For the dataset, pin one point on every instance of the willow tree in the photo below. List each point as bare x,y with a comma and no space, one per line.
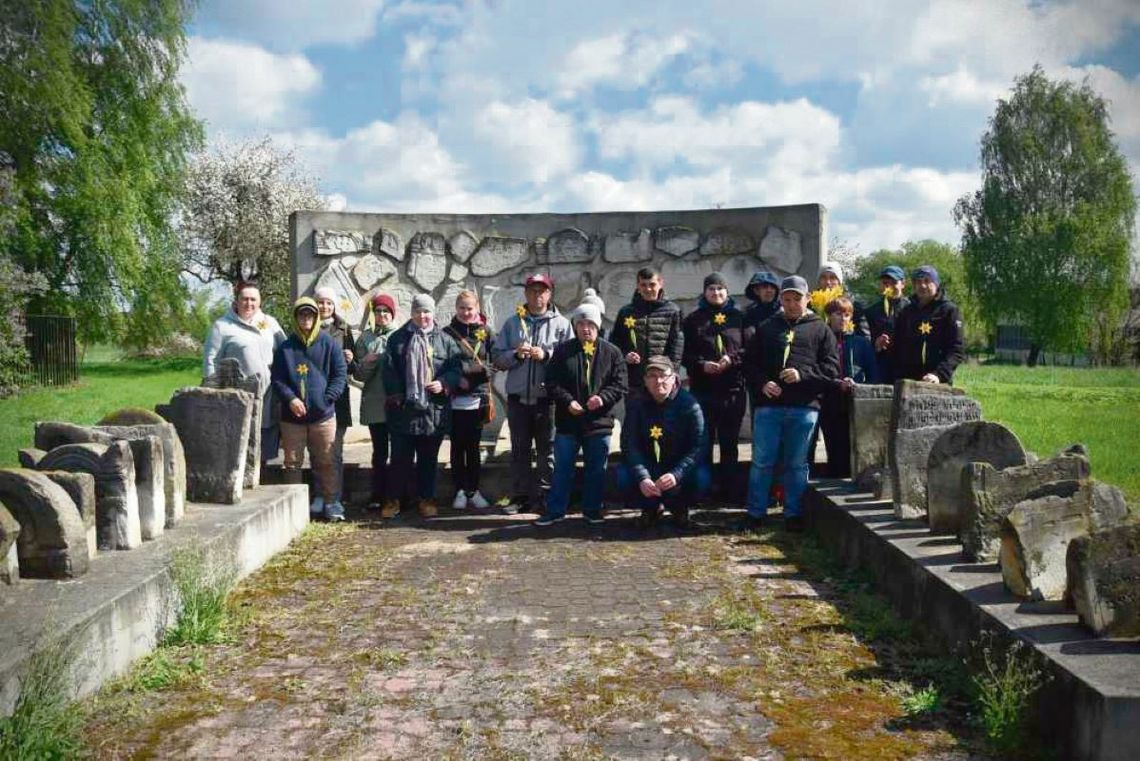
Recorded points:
96,132
1048,237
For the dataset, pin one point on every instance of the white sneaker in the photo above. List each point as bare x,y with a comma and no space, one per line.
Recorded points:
460,502
317,507
478,501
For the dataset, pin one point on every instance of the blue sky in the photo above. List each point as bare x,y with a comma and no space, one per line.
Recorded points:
873,109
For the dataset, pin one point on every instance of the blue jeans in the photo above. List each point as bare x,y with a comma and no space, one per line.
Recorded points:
776,428
595,449
692,489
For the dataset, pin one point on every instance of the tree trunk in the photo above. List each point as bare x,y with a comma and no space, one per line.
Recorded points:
1034,354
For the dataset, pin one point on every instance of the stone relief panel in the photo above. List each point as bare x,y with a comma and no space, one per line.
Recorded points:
462,245
567,247
616,288
782,249
497,254
677,240
370,270
337,242
726,241
349,303
457,273
389,243
427,264
629,247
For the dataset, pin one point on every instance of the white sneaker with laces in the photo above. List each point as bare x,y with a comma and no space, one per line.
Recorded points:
460,502
478,501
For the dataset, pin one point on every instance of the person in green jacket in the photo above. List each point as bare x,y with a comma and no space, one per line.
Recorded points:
369,371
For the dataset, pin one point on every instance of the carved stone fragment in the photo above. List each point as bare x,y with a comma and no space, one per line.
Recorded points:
497,254
427,264
618,285
214,427
9,559
349,305
624,247
782,250
676,240
1103,576
81,488
457,273
51,542
30,457
389,243
117,523
230,375
462,245
567,246
725,241
738,270
870,430
975,441
337,242
372,269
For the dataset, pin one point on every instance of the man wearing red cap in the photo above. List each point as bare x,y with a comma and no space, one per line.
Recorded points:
523,348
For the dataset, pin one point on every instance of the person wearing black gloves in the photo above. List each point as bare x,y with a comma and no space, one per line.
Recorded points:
928,344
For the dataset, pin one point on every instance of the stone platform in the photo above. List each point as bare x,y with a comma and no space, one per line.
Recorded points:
113,615
1090,708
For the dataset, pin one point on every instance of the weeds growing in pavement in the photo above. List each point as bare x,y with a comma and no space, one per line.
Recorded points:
203,585
926,701
1006,683
164,668
44,724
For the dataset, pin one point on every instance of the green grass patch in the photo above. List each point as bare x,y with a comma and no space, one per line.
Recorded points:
203,586
104,386
44,724
1006,683
165,668
1051,407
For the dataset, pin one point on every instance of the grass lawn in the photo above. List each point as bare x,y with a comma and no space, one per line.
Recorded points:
106,384
1050,407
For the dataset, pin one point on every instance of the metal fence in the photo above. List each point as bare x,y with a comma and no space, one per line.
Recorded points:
50,341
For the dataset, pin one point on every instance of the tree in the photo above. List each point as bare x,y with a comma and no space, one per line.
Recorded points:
863,281
96,131
1048,236
235,221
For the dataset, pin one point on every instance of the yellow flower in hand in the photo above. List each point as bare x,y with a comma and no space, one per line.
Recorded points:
720,319
520,310
630,322
820,298
925,328
655,432
589,348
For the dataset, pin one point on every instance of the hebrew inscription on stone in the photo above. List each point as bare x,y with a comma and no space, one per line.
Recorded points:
567,247
496,254
677,240
726,241
428,263
925,411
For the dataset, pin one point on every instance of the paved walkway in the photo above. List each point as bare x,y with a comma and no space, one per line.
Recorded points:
483,637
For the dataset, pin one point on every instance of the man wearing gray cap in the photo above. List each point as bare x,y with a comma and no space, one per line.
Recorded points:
790,362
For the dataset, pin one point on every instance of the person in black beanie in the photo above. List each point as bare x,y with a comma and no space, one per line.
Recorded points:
714,348
928,343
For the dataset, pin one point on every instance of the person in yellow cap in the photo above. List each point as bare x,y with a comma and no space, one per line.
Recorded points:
309,374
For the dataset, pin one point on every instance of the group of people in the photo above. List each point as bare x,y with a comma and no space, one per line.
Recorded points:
793,356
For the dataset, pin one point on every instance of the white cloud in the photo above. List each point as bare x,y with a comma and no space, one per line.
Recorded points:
417,48
706,74
295,24
961,87
237,86
623,61
532,141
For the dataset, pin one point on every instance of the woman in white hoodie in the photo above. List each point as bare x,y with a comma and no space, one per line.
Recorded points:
248,335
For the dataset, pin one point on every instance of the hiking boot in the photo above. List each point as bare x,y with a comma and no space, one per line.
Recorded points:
428,508
390,509
460,501
334,512
477,501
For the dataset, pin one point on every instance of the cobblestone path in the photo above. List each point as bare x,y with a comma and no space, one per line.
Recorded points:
483,637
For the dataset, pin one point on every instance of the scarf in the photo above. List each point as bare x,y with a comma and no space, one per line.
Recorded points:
418,370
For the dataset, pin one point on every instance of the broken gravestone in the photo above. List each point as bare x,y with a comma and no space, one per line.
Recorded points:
1103,572
920,413
9,560
51,543
1036,535
975,441
214,427
991,493
870,430
230,375
117,525
81,488
30,457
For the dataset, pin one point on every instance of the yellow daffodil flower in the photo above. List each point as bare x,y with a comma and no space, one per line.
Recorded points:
925,328
720,318
820,298
656,432
589,348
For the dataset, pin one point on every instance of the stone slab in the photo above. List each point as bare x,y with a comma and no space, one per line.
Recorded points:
213,425
52,541
870,427
975,441
117,522
81,488
1091,707
1104,580
230,375
114,614
9,560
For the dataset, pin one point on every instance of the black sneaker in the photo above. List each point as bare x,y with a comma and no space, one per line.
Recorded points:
750,523
648,517
794,524
547,520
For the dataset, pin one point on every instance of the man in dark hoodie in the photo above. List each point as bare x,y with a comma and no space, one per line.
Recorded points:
647,326
881,317
309,374
790,362
714,349
928,343
585,378
764,293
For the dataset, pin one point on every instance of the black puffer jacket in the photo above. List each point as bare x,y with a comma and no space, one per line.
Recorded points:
566,382
657,328
701,330
341,335
475,368
813,352
682,441
938,326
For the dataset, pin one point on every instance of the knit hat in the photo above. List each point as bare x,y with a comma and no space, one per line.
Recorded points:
587,312
794,283
384,300
590,296
833,268
928,272
714,278
324,292
894,272
423,302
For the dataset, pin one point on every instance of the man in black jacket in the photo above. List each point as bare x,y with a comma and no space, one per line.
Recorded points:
647,326
764,293
928,343
662,445
714,348
790,362
586,377
881,317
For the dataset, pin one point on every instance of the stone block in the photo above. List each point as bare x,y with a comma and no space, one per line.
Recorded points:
569,246
965,443
213,425
626,247
1103,577
991,493
682,277
9,559
497,254
149,484
499,303
52,543
371,270
30,457
349,304
427,262
462,246
458,273
117,524
782,250
230,375
81,488
725,241
676,240
1036,535
920,413
737,271
389,243
870,416
337,242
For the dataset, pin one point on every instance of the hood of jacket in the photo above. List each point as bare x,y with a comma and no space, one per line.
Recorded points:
761,278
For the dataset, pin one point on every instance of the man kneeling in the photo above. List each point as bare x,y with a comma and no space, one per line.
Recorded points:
662,440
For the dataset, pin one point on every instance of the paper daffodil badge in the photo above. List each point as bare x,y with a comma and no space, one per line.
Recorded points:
262,324
480,336
925,328
655,433
720,318
589,348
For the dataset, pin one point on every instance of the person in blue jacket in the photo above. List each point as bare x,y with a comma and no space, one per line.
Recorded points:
309,374
857,364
